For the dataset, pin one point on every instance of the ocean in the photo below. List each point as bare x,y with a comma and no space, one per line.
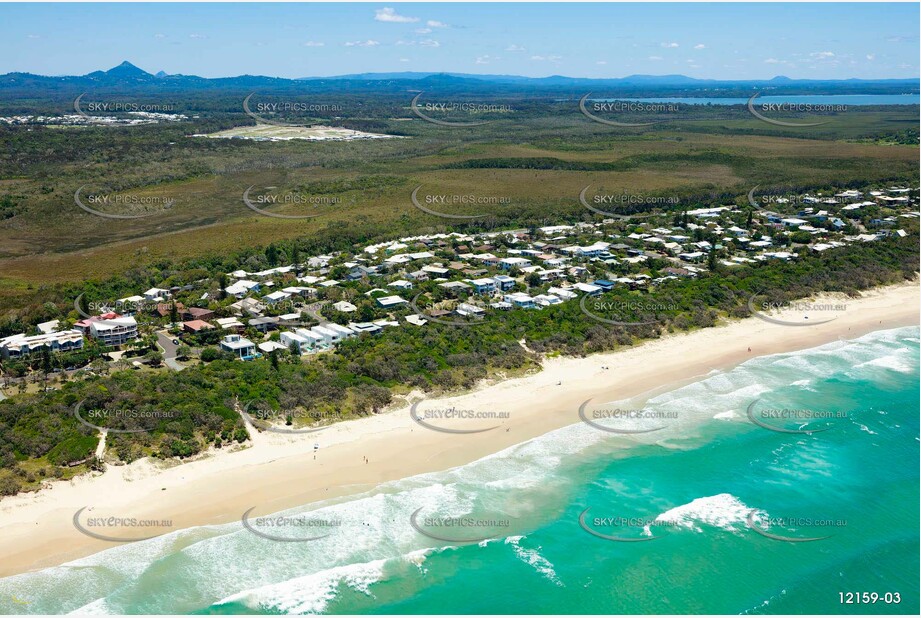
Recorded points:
799,512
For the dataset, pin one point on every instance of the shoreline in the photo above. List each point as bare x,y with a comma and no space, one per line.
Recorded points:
279,471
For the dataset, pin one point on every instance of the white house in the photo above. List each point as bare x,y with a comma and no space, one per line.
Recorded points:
545,300
345,306
343,331
390,301
157,294
486,285
587,288
301,343
562,293
513,262
465,309
242,288
274,297
314,340
328,337
520,299
241,347
17,346
115,331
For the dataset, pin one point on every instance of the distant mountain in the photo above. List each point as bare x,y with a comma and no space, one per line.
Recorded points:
127,78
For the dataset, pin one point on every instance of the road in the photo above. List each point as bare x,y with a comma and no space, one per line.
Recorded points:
165,341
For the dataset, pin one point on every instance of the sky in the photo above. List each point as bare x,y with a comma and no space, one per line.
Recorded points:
717,41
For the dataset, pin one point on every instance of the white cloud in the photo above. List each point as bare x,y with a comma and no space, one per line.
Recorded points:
33,36
482,60
432,23
368,43
391,16
198,36
871,56
404,59
670,45
772,61
159,36
314,44
822,55
602,62
429,43
655,57
700,46
423,30
547,58
514,48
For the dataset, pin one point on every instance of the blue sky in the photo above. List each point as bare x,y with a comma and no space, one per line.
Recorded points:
724,41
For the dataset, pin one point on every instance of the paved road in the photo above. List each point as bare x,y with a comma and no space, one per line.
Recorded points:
165,341
313,310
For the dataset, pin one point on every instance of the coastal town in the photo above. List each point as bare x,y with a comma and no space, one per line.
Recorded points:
318,303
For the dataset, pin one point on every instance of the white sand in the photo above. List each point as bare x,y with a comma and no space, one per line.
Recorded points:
281,471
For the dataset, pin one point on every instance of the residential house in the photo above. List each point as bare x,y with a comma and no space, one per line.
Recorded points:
17,346
196,326
390,301
241,347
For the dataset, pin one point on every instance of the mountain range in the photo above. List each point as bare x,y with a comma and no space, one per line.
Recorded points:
127,77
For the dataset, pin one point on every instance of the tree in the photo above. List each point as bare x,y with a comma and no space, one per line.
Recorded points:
47,363
295,257
711,259
533,280
154,357
271,254
222,283
183,351
273,358
173,313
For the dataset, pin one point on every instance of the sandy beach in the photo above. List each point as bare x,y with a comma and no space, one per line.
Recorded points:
279,471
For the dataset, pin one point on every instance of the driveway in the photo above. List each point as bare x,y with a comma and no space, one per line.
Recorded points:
165,341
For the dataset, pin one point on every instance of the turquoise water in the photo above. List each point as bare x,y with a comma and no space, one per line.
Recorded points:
813,99
698,479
